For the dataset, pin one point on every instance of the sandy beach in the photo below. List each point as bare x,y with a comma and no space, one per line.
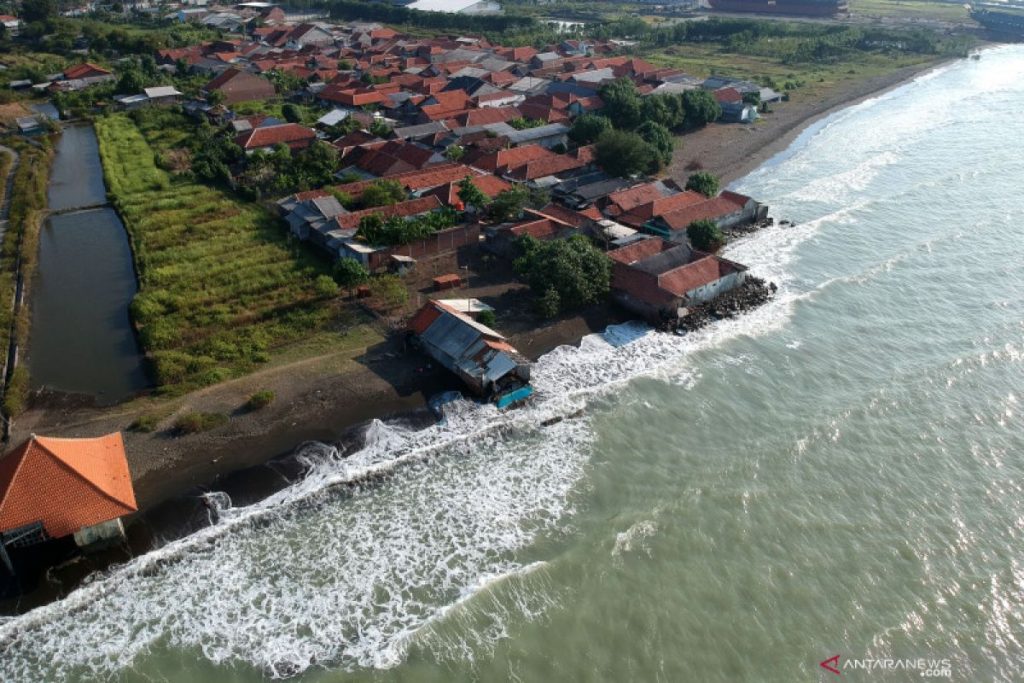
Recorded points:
327,397
731,151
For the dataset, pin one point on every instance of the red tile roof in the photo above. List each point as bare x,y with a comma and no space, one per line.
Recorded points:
85,70
716,207
411,207
686,278
508,158
67,484
540,168
291,134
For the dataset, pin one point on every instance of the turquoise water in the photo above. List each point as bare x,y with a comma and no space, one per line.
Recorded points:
837,473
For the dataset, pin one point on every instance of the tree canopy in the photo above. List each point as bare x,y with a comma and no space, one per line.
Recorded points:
563,274
624,153
658,137
587,128
705,235
471,195
703,182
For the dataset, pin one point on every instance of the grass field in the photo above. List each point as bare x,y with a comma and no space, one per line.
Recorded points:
812,80
910,9
220,288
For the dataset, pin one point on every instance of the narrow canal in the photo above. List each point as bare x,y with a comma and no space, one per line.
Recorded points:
82,340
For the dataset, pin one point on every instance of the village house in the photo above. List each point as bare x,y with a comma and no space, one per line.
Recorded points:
658,279
266,138
53,488
240,86
481,357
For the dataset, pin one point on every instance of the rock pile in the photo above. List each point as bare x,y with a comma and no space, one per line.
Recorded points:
751,294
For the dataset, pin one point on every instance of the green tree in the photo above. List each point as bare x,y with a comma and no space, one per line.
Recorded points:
624,154
588,127
508,204
291,113
350,273
701,108
382,193
705,235
658,137
379,128
38,10
471,195
564,274
455,152
622,103
390,291
703,182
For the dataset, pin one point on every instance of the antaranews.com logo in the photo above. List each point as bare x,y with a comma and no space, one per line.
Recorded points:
926,668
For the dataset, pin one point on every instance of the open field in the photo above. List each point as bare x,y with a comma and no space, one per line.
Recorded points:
220,288
910,9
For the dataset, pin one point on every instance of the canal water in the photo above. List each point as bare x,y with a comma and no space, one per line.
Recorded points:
82,340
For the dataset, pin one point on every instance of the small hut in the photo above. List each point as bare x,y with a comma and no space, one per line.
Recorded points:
52,488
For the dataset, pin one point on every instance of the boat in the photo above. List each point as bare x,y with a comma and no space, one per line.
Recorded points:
1005,22
806,8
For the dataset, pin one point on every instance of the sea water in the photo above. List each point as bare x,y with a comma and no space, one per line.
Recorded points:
837,473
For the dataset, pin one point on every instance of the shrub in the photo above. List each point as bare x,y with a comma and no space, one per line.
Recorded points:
146,423
703,182
349,273
261,399
705,235
193,423
16,398
487,318
390,290
326,286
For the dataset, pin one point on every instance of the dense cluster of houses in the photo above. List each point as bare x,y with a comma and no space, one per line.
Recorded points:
427,113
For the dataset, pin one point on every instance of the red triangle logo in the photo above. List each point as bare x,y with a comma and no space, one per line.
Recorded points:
831,664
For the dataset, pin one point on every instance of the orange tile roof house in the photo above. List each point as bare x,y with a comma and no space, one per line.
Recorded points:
86,70
268,137
240,86
52,488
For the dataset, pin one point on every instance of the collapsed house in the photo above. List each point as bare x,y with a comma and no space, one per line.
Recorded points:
480,356
53,488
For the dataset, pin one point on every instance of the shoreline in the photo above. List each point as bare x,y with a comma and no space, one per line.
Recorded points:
717,149
382,382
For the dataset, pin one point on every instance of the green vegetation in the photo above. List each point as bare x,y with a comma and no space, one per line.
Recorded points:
219,286
587,128
703,182
563,274
350,273
145,423
193,423
487,318
471,195
624,153
382,193
705,235
522,123
394,230
390,291
20,249
260,400
659,138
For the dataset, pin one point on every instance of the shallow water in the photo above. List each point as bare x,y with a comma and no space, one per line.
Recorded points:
838,472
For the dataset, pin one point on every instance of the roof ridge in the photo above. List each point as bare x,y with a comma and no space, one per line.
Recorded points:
81,475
